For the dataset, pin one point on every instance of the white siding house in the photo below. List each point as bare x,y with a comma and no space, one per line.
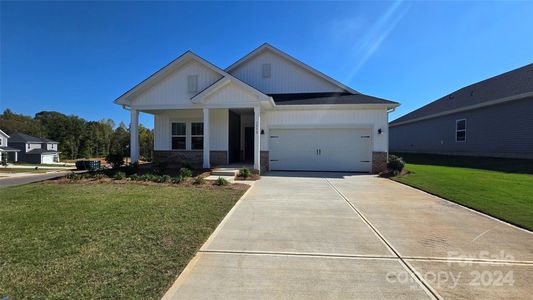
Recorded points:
267,108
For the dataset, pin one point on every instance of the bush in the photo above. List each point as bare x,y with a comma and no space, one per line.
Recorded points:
115,159
73,176
244,173
198,180
185,172
99,176
119,176
221,181
134,177
395,164
176,179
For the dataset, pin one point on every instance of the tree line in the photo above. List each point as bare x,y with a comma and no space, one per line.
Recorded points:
77,137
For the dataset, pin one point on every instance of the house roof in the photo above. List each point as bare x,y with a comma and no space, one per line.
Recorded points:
8,149
41,151
328,99
4,134
25,138
268,47
511,85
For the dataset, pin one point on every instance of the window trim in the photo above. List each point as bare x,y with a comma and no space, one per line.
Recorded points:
188,133
457,130
197,135
172,135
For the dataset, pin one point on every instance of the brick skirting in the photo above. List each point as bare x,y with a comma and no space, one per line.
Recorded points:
195,158
264,159
218,158
379,162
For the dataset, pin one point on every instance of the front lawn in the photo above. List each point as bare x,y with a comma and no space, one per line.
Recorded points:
111,241
502,194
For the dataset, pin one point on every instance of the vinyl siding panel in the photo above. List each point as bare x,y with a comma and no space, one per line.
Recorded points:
504,130
231,94
368,118
286,77
173,89
218,127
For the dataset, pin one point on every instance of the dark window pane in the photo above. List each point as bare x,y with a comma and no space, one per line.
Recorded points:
197,143
178,143
178,128
461,136
461,125
197,128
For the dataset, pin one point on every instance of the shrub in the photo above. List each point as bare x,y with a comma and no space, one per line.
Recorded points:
198,180
176,179
395,164
115,159
221,181
119,176
185,172
73,176
99,176
134,177
244,172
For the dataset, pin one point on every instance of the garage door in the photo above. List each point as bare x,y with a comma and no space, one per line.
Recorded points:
47,158
328,149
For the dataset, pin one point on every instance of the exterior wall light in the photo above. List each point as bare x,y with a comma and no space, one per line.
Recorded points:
380,131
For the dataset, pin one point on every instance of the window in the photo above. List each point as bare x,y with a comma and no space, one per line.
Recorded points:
192,83
197,136
267,68
179,136
460,130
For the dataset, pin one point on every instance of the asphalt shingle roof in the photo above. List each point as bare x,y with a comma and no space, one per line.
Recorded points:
515,82
40,151
22,137
327,98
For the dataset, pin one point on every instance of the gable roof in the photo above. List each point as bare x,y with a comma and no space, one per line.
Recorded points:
268,47
329,98
4,134
512,85
182,59
26,138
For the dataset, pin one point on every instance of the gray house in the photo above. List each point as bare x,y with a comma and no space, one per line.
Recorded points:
34,149
7,154
493,117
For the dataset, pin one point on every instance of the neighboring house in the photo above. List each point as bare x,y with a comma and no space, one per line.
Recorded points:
7,154
34,150
267,108
493,118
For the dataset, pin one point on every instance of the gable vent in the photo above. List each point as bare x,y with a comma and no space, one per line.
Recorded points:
267,70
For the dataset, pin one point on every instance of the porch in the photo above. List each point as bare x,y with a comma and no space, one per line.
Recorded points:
203,137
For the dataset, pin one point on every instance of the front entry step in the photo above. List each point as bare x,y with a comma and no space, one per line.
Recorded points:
224,172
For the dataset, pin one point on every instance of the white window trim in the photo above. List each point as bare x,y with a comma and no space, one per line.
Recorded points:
457,130
188,134
178,135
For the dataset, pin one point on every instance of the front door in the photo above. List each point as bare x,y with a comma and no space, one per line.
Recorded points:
249,144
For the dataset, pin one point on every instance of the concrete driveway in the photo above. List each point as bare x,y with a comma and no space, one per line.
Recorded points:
338,236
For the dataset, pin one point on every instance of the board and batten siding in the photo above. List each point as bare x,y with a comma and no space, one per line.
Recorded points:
173,89
286,77
231,94
218,127
352,118
503,130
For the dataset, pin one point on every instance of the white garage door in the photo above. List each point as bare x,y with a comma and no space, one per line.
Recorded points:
47,158
328,149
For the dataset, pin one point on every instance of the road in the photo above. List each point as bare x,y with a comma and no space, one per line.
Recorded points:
19,180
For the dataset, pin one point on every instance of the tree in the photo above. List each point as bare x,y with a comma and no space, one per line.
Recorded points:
11,123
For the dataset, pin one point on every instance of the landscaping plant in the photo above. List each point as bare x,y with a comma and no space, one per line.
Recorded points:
244,173
221,181
395,164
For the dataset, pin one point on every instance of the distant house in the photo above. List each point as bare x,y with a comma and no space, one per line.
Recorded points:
7,154
34,149
493,118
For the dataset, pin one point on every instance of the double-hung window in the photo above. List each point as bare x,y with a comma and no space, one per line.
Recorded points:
179,136
197,135
460,130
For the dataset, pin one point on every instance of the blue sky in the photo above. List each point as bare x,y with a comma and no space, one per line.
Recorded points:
77,57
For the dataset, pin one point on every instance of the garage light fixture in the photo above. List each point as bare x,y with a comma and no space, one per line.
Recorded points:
380,131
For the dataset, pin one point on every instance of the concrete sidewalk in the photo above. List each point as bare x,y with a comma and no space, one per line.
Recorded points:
334,236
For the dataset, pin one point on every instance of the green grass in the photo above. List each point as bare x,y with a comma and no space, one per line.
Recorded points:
502,194
109,241
17,170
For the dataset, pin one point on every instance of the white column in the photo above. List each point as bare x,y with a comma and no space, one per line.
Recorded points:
134,136
207,164
257,137
16,156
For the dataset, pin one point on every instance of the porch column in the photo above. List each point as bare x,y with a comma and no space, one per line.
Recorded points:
134,136
16,156
257,141
206,165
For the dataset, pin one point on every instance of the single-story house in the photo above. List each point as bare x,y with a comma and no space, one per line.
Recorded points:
7,154
492,118
33,149
267,108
